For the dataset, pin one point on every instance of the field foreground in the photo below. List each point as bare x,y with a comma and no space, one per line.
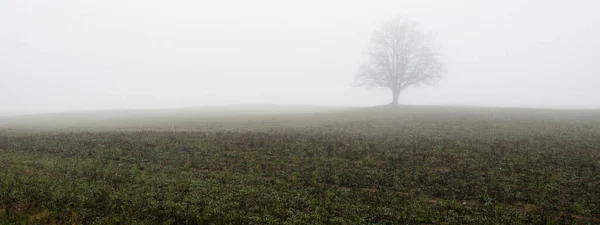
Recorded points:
405,165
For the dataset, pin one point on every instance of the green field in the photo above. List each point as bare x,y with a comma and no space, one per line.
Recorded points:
382,165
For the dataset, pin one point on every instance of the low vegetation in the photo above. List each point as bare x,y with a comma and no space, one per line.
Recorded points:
407,165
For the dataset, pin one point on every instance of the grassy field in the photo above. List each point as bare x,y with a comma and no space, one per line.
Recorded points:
382,165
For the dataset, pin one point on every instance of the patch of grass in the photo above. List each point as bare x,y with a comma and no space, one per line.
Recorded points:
378,167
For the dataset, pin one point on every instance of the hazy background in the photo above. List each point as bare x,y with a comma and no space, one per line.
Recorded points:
66,55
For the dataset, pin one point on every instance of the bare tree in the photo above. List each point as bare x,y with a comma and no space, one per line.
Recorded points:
400,56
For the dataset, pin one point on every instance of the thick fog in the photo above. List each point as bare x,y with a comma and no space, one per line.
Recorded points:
78,55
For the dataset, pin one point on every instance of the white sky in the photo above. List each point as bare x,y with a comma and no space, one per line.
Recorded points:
65,55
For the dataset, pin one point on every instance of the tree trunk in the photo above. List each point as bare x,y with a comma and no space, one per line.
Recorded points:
395,95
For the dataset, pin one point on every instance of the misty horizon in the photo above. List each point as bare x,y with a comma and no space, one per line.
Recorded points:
72,56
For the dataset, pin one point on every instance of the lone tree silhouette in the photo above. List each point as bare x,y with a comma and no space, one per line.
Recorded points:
400,56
